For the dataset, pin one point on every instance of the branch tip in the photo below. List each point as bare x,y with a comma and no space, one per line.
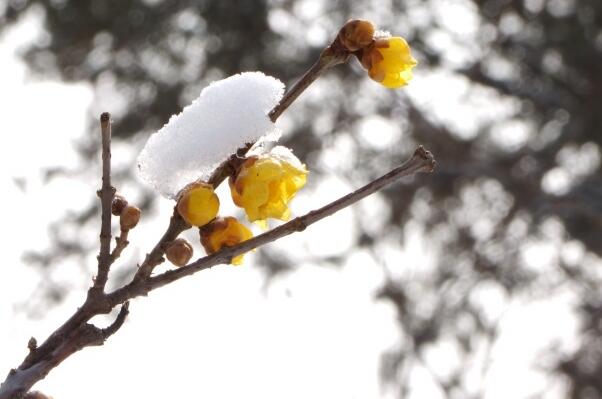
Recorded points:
32,344
427,156
106,195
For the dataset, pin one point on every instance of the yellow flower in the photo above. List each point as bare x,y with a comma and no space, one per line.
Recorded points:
198,204
265,184
224,232
389,62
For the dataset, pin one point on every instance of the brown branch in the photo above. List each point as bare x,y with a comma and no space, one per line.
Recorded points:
20,380
421,161
106,194
96,301
75,333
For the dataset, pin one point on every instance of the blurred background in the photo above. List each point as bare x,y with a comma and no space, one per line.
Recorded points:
480,280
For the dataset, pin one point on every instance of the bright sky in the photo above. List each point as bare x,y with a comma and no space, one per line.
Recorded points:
223,334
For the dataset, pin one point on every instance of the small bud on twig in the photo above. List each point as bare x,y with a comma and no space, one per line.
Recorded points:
130,216
32,344
179,252
356,34
118,204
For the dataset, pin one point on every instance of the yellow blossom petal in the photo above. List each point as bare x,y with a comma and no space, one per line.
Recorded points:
391,62
224,232
265,186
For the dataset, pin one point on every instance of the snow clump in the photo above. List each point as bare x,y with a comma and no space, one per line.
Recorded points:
226,115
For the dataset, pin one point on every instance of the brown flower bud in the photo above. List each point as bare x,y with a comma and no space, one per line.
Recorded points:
119,202
130,216
356,34
179,252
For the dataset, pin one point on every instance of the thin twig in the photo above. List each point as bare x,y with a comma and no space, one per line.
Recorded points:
106,194
332,55
421,161
119,320
155,257
121,243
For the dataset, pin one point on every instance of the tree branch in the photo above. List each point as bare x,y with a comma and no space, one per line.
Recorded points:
20,380
421,161
106,194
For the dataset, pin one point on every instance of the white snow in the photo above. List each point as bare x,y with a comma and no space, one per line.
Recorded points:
279,152
226,115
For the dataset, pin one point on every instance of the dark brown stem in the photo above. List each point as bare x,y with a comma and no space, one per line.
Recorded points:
106,194
421,161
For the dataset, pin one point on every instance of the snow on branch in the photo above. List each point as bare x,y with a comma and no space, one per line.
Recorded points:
226,114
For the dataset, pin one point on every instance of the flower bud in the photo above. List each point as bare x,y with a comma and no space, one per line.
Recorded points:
130,216
224,232
179,252
198,204
356,34
118,204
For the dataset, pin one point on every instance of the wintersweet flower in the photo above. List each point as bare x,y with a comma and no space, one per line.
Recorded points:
224,232
265,184
198,204
389,61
